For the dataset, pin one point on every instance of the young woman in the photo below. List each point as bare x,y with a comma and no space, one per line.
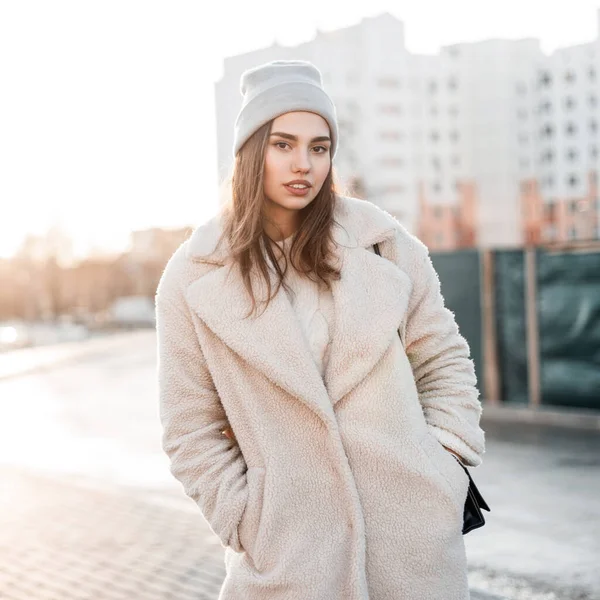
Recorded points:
315,397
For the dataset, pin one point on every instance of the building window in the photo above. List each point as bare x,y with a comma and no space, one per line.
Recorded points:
435,136
569,103
454,136
593,101
572,154
571,129
436,163
547,130
546,107
592,74
572,181
570,76
593,126
452,83
453,111
434,110
437,188
594,152
432,87
545,79
547,157
572,233
438,212
455,160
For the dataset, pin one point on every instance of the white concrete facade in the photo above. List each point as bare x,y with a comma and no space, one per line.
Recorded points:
473,113
566,150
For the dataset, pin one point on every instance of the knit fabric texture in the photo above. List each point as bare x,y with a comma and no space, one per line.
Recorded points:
313,306
278,87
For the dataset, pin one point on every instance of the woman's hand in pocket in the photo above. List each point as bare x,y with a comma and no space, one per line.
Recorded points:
228,433
452,452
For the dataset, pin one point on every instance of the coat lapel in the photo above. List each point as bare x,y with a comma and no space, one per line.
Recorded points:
370,301
270,342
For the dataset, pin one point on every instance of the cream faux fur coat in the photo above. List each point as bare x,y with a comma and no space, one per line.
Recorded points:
336,487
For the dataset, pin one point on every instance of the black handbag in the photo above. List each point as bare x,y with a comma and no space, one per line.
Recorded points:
472,516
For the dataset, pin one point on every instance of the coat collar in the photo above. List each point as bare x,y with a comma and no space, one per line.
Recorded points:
370,301
357,223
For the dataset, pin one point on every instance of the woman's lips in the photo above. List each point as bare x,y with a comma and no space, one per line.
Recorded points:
297,191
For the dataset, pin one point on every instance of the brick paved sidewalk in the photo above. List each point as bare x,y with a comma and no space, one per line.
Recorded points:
61,540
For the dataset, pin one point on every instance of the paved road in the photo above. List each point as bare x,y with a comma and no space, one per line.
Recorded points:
88,508
543,485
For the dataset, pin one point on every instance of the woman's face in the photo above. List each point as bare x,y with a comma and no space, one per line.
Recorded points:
298,150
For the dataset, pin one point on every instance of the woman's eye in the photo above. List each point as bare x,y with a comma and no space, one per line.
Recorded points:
319,149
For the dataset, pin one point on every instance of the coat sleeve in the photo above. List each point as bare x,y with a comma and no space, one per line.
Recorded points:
209,466
440,359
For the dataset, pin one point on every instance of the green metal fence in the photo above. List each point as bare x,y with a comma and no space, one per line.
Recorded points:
460,279
568,304
565,295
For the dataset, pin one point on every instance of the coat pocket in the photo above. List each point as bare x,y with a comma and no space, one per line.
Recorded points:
448,467
249,525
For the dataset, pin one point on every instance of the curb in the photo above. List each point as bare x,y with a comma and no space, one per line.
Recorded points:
586,419
478,595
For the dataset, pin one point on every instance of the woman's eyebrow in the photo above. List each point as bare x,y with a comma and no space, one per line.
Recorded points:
294,138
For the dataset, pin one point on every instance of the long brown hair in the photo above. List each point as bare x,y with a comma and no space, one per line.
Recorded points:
242,224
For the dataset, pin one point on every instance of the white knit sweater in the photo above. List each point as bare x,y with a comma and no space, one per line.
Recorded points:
313,305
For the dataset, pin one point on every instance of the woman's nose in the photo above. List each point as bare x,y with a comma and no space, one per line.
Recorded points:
301,163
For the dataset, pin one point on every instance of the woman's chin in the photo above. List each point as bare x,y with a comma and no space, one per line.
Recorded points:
294,202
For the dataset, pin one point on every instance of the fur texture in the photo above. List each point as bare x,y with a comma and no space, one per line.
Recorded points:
336,487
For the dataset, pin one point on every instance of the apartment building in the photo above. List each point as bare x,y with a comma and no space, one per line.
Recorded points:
560,154
490,143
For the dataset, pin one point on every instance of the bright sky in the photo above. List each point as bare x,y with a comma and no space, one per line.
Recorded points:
107,107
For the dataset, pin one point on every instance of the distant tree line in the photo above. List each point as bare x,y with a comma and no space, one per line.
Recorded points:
38,285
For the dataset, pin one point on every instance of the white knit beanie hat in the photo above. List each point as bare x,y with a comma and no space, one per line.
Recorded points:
278,87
